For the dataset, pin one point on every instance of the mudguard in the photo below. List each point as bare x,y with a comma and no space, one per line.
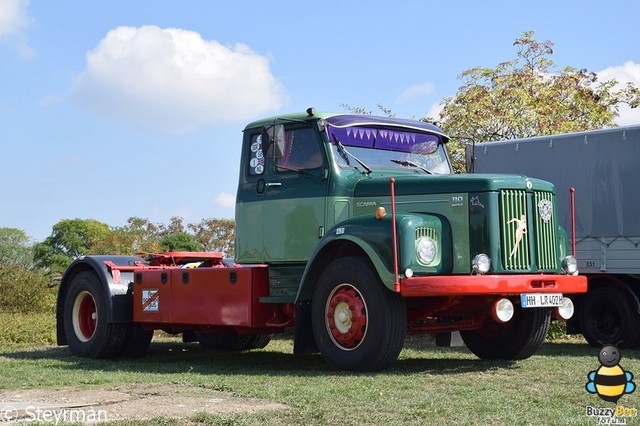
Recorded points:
116,291
366,235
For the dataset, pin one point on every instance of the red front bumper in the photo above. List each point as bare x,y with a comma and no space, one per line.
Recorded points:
474,285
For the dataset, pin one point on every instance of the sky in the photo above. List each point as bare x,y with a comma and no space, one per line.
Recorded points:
117,108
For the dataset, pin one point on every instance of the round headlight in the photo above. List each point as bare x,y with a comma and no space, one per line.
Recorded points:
502,310
481,264
565,311
570,265
426,250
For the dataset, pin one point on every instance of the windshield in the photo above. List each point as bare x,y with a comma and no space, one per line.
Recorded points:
384,148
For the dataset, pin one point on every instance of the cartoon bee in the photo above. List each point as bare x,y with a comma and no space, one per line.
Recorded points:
610,381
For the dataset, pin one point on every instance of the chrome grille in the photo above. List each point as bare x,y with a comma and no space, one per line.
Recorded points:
515,234
424,231
518,226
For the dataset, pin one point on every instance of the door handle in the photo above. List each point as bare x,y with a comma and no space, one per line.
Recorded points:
273,184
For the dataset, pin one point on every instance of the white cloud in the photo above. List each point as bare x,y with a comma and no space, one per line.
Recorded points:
173,80
417,91
627,72
226,200
434,111
13,16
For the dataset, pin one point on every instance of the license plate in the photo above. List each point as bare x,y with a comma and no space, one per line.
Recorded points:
540,300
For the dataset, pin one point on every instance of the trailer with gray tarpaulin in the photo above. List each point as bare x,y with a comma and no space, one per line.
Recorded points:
604,168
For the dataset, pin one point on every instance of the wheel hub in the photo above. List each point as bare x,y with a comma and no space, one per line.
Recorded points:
346,317
84,316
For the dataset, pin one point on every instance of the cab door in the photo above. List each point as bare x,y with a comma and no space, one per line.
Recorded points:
288,193
295,196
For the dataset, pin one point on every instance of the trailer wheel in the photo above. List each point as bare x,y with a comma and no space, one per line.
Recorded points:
357,322
607,318
85,312
517,339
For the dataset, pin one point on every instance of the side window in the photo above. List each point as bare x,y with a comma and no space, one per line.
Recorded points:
302,150
256,156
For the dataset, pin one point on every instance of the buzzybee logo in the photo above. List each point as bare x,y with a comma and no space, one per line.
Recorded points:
610,382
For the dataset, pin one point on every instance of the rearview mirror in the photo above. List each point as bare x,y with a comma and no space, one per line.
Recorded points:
273,138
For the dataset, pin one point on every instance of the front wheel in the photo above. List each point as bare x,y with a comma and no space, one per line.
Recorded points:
357,322
517,339
85,320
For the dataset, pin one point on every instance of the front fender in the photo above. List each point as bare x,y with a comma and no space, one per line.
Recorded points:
117,294
373,238
360,236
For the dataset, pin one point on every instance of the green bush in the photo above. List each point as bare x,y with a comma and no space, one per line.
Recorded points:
558,331
35,328
25,291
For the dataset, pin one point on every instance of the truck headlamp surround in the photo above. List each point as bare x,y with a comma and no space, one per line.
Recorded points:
481,264
426,250
570,265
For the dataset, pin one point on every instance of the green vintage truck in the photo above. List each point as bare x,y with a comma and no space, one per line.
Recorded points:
354,231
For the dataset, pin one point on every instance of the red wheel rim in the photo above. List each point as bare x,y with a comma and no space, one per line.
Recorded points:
85,316
346,317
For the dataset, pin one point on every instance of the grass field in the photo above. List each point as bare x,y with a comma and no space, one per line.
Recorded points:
427,385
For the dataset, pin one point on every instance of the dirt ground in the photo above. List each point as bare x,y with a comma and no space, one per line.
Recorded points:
126,402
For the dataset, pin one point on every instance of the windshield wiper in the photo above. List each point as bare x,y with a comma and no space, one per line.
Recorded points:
408,163
345,154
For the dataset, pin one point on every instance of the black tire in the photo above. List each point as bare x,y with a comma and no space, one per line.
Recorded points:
232,341
607,317
517,339
136,341
358,323
85,320
258,341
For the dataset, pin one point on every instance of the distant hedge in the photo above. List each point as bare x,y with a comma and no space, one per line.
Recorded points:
25,291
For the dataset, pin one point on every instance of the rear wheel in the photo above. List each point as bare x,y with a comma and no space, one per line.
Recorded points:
607,317
85,320
517,339
357,322
136,341
232,341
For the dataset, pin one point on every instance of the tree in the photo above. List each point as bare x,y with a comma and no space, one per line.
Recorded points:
15,248
137,236
180,241
215,235
529,96
361,110
69,239
140,235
